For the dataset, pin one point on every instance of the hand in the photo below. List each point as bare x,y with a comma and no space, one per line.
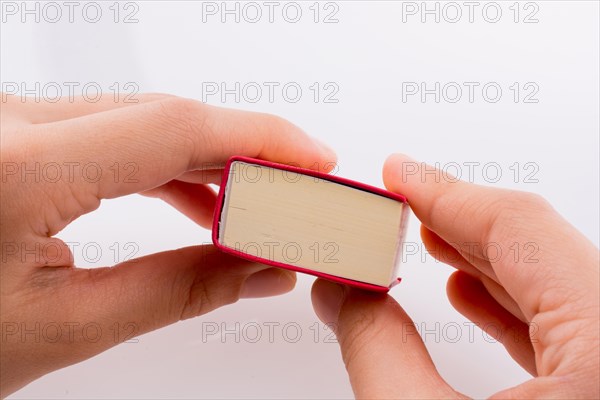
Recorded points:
556,293
54,314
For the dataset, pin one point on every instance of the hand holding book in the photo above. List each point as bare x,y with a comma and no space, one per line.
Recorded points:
162,147
543,309
170,141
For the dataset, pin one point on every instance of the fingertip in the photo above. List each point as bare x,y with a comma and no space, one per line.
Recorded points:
328,155
268,282
394,169
327,299
463,288
196,201
451,285
381,347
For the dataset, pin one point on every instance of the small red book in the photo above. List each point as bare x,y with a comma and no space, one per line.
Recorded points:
311,222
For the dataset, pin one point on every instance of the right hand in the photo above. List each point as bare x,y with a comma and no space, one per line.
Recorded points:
542,301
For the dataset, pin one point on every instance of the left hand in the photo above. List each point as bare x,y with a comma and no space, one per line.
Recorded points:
59,160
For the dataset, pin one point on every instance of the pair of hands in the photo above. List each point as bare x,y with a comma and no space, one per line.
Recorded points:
176,146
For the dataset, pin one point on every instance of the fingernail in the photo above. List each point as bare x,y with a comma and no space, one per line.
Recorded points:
328,298
329,153
268,282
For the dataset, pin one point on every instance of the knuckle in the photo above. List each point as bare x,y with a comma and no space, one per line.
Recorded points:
184,119
207,289
511,213
197,300
513,206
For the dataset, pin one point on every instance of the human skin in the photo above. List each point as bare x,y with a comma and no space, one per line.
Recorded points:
169,140
175,147
555,293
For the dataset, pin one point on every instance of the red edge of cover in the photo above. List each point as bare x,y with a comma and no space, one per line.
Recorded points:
304,171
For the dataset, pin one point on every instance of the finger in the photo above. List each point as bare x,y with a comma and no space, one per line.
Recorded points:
442,251
462,214
499,294
158,141
36,251
72,107
525,234
196,201
384,354
554,387
160,289
212,176
471,299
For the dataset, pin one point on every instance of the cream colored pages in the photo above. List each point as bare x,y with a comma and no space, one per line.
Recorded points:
311,223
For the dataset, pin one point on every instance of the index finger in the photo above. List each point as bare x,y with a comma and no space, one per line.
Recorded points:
160,140
534,247
457,211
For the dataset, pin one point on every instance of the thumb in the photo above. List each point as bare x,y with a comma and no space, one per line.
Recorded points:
151,292
383,352
78,313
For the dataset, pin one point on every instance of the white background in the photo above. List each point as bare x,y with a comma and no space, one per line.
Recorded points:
368,54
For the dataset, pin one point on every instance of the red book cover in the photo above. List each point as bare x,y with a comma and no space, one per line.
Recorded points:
320,175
